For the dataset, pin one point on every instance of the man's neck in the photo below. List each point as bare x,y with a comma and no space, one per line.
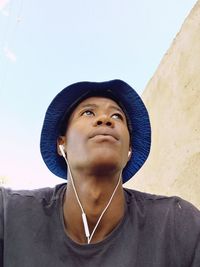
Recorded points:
94,193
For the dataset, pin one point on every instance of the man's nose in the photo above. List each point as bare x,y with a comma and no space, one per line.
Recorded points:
104,120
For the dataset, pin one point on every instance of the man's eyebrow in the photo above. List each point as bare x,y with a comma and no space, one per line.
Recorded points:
117,108
87,106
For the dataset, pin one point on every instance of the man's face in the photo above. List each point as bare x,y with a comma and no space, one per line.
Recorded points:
97,135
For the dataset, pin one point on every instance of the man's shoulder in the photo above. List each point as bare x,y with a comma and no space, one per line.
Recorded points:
46,194
144,196
173,204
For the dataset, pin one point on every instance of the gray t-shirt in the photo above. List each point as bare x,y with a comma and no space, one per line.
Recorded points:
156,231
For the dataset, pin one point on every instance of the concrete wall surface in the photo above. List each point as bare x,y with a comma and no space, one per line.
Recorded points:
172,97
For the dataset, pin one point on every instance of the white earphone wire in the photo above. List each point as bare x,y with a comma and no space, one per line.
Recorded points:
84,217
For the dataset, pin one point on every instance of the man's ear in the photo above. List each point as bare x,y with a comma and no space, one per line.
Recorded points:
60,141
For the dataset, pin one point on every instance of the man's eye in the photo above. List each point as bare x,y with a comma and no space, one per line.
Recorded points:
88,113
117,116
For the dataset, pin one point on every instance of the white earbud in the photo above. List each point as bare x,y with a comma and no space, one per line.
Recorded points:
62,150
129,153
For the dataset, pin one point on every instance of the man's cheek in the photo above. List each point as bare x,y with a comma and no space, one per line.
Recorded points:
75,140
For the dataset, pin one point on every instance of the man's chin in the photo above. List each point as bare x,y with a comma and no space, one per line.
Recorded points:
103,165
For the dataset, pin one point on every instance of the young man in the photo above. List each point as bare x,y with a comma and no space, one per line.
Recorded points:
97,136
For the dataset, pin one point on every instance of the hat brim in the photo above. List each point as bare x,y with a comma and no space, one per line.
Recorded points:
136,112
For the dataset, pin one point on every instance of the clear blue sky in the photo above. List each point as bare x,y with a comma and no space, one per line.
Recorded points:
46,45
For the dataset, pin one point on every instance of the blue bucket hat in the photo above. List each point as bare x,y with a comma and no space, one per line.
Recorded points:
64,103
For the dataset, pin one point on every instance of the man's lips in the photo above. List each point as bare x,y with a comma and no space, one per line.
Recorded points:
104,133
104,137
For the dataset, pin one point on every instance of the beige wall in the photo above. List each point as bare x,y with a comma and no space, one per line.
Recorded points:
173,99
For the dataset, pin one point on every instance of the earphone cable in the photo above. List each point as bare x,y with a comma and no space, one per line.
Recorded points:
84,217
